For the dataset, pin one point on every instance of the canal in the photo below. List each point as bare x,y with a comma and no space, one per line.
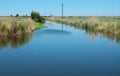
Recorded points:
60,50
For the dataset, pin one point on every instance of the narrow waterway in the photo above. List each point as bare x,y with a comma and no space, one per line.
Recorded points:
60,50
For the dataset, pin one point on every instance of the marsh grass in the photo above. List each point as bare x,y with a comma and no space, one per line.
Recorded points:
105,25
15,26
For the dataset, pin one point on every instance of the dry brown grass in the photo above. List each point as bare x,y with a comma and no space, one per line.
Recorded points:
15,25
92,23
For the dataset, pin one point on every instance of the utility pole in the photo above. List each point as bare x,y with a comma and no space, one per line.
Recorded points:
62,10
50,13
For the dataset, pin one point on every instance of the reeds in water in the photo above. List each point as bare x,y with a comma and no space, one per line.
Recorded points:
93,24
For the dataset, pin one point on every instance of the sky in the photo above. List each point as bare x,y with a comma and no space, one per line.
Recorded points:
71,7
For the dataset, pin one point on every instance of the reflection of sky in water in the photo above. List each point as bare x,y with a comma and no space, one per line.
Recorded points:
68,52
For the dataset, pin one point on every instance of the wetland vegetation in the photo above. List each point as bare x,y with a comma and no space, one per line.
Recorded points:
106,26
60,38
17,30
101,24
13,26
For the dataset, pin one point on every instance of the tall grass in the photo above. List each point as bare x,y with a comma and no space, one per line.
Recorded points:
92,23
106,27
15,26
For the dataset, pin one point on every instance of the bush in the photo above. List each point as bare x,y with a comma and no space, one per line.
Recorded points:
42,19
36,17
11,15
17,15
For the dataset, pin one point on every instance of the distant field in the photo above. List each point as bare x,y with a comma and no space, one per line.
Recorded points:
85,18
109,19
77,19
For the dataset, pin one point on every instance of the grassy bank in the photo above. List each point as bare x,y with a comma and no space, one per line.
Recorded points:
98,24
14,26
39,25
105,26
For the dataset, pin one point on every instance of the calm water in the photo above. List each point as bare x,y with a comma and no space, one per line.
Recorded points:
60,50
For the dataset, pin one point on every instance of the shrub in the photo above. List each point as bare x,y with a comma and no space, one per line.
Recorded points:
42,19
17,15
11,15
36,17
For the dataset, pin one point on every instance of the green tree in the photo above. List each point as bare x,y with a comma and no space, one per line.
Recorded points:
36,17
17,15
11,15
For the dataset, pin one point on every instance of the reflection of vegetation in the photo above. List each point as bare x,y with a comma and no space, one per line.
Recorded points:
16,31
14,41
110,36
53,31
107,27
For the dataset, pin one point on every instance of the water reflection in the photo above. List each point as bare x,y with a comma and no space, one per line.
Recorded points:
54,32
49,54
62,26
109,36
92,32
14,41
92,37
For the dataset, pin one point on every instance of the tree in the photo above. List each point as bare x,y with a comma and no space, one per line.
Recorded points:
26,15
36,17
17,15
11,15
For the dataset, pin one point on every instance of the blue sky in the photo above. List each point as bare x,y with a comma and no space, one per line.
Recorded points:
71,7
